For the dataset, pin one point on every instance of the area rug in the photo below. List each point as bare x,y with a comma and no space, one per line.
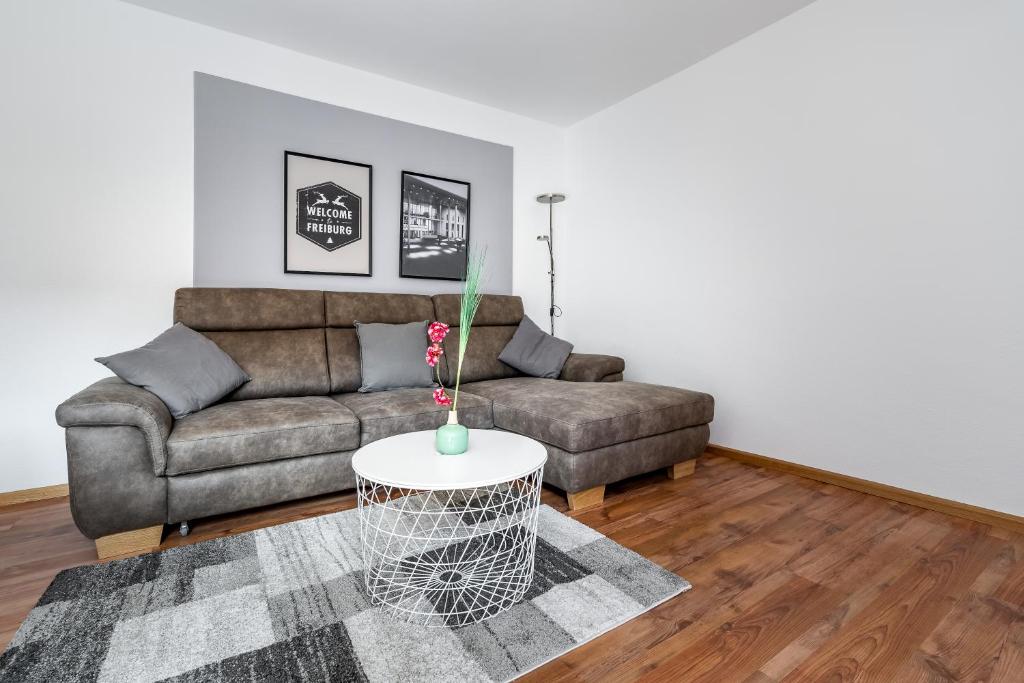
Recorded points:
288,603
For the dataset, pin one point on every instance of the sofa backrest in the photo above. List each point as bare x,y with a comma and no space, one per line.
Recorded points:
496,321
295,342
275,335
345,308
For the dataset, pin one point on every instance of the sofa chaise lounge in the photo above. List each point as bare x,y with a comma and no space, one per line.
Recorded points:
291,431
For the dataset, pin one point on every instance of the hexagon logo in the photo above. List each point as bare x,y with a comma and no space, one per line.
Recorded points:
328,215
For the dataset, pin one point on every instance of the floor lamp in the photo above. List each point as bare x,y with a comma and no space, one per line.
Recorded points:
551,198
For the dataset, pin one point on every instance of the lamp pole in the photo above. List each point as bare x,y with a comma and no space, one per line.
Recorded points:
551,198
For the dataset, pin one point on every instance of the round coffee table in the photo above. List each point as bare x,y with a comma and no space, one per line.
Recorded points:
448,540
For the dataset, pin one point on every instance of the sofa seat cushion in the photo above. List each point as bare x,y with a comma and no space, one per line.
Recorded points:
386,413
581,416
260,430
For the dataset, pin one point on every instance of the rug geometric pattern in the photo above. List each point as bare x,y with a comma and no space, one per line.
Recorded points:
288,603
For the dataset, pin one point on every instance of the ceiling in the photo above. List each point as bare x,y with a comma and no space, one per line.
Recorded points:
553,60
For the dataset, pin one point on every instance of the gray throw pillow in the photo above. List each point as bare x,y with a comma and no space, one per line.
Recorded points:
393,356
534,352
185,369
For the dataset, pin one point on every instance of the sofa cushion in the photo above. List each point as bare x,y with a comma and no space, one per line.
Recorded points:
494,309
280,362
245,432
344,308
185,369
392,356
275,335
534,352
496,321
592,367
481,360
236,308
386,413
576,416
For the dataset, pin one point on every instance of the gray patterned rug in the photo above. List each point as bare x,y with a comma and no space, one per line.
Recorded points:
288,603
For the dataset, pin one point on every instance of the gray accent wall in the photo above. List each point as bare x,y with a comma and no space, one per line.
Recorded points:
241,134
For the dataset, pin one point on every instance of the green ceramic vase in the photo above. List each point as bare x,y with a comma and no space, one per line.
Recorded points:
452,438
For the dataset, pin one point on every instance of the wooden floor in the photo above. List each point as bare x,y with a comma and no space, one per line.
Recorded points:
792,580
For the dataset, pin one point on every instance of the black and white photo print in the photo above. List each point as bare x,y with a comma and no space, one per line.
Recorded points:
435,227
327,222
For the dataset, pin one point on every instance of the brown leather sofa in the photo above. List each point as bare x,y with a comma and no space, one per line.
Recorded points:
291,431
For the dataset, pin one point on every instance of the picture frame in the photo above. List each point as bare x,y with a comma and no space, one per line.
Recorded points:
433,227
328,216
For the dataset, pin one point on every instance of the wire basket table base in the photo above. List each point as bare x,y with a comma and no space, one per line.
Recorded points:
449,557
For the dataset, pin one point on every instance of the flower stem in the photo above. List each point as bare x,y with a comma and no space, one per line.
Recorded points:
458,375
468,305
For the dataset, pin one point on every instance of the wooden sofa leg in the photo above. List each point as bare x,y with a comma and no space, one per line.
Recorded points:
586,498
681,469
133,542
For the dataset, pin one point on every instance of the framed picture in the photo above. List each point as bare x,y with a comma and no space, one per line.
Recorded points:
327,216
434,240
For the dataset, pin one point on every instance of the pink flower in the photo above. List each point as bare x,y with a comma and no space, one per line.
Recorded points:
433,353
441,398
436,331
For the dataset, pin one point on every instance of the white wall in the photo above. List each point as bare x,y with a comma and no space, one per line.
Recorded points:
823,226
96,144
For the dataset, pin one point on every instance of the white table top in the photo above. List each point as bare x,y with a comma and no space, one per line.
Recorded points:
410,461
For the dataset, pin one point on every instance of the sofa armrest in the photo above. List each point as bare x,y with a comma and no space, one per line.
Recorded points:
112,402
592,367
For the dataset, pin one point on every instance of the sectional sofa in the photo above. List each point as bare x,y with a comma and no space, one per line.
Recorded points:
291,431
